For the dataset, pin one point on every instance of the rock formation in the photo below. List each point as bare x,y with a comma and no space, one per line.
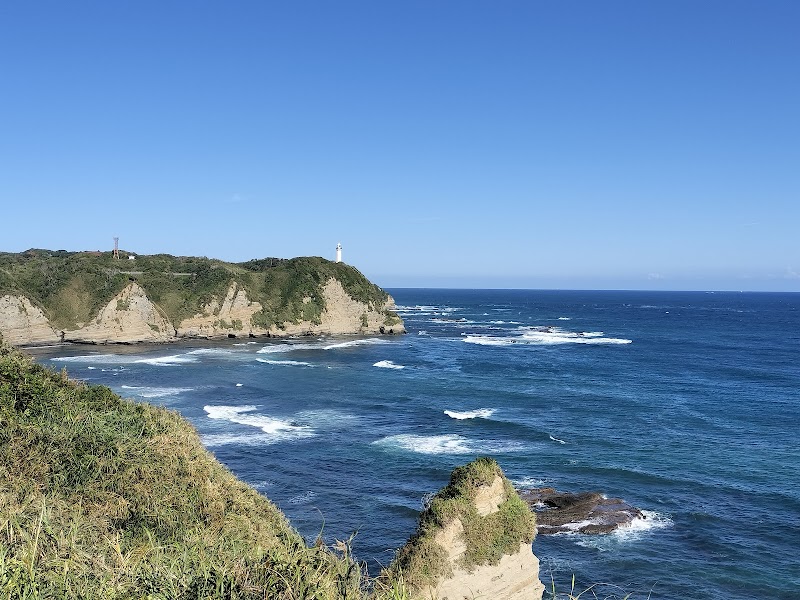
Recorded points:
132,317
587,512
23,323
232,315
129,317
473,541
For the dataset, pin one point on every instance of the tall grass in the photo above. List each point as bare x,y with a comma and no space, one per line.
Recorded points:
105,498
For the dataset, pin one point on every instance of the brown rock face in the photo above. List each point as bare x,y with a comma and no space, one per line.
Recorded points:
473,540
232,315
587,512
23,323
129,317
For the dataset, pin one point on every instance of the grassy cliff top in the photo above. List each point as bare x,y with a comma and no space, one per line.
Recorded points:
71,287
101,497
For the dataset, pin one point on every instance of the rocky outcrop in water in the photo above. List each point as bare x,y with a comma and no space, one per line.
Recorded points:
586,512
473,541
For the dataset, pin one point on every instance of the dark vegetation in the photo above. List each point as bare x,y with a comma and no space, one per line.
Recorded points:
71,287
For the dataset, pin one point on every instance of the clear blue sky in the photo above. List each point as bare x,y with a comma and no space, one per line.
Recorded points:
646,145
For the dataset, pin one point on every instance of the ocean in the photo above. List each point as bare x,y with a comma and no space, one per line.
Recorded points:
684,404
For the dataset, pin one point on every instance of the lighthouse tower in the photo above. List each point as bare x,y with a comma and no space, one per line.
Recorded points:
338,253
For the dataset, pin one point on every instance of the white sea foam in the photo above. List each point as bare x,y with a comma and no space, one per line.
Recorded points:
277,429
212,352
109,359
224,439
505,323
328,418
173,360
291,347
481,413
528,482
303,498
555,439
565,318
425,310
545,336
387,364
443,320
297,363
444,444
155,392
638,528
238,385
91,368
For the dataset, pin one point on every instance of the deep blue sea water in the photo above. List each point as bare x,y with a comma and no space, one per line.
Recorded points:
685,404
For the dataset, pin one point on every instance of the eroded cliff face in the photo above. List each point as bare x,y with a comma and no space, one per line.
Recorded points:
23,323
514,577
129,317
473,541
132,317
232,315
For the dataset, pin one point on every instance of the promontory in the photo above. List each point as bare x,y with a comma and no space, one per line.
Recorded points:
56,296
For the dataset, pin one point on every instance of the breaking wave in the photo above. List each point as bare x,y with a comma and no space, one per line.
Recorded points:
444,444
387,364
635,530
291,347
278,430
545,336
298,363
155,392
481,413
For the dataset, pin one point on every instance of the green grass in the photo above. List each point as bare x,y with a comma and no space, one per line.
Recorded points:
423,562
101,497
71,287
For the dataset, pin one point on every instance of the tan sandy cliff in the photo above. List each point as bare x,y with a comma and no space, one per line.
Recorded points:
473,541
131,317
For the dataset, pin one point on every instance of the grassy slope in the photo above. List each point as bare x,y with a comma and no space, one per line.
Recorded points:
105,498
71,287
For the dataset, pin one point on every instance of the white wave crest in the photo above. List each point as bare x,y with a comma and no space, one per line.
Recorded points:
277,429
291,347
297,363
565,318
481,413
555,439
106,359
638,528
545,336
387,364
155,392
526,483
444,444
168,361
224,439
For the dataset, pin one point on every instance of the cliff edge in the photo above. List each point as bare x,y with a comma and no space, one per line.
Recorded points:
90,297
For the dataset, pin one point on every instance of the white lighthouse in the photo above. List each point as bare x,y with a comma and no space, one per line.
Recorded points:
338,252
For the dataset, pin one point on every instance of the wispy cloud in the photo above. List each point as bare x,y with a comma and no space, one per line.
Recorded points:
655,276
236,199
790,273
